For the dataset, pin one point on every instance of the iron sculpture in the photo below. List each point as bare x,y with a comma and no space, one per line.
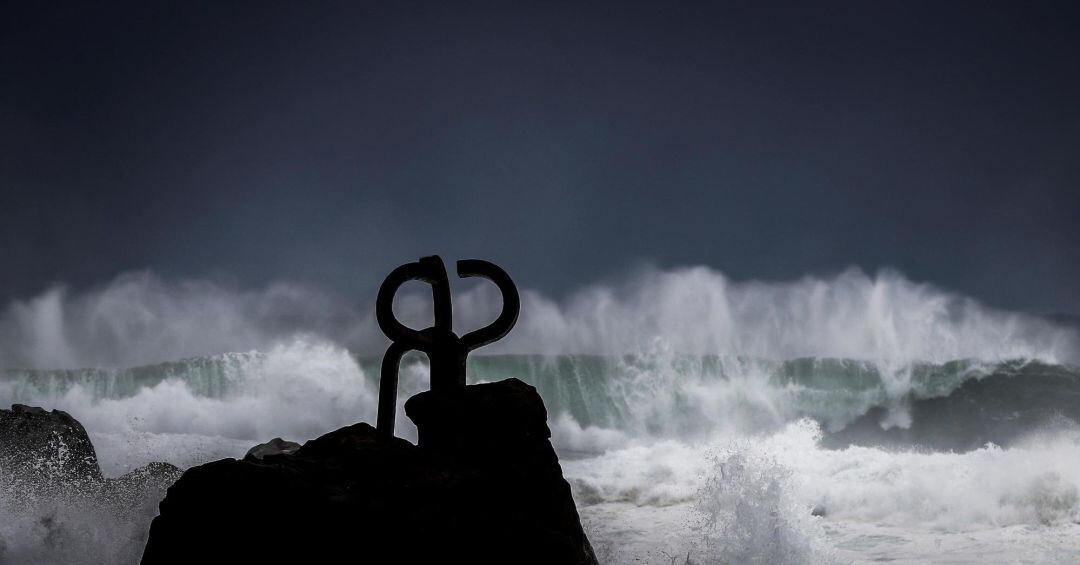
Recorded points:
446,351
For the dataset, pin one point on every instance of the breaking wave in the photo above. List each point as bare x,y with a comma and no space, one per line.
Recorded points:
728,409
140,319
305,387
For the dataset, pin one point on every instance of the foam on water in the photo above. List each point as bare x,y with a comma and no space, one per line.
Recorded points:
689,409
140,319
1034,483
752,500
298,389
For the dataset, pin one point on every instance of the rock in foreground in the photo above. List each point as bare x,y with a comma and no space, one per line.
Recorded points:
46,450
54,500
47,454
276,446
483,486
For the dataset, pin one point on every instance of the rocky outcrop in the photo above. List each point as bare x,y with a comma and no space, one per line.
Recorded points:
483,486
276,446
44,450
47,455
53,494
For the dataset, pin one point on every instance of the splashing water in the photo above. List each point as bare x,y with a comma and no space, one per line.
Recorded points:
698,418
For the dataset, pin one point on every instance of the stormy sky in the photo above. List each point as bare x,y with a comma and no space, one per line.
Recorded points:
328,142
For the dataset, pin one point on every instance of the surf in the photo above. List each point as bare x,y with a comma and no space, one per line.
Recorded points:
696,415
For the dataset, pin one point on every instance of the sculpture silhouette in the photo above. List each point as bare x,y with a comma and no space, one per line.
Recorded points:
483,484
445,350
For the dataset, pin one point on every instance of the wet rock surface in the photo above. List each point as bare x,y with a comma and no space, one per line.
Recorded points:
483,486
45,453
55,500
46,450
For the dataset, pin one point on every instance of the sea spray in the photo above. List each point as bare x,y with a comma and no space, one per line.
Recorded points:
304,386
297,389
140,319
630,471
750,514
754,500
653,386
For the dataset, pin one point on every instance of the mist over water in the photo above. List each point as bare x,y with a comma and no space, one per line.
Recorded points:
140,319
691,410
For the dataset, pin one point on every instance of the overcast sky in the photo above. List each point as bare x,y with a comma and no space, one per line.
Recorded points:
329,142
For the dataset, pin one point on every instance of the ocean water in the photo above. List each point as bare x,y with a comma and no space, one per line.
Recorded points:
855,419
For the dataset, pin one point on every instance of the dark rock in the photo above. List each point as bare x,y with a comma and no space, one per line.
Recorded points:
48,454
483,486
54,493
45,451
505,415
276,446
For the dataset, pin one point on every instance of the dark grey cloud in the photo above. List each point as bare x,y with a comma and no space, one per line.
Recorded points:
328,142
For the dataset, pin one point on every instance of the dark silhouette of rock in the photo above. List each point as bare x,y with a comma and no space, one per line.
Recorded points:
276,446
45,451
50,482
483,486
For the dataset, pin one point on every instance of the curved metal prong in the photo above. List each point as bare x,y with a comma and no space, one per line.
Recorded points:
388,385
511,302
427,269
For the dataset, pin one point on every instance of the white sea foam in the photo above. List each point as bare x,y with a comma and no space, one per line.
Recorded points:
751,500
1035,482
298,389
692,442
140,318
657,315
69,531
852,315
